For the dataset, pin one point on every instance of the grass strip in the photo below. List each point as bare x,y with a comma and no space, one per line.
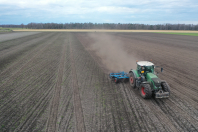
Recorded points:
189,34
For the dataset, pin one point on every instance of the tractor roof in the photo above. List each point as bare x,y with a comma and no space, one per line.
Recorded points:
145,63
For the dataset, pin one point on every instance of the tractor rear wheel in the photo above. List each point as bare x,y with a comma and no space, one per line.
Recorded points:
166,87
146,91
132,80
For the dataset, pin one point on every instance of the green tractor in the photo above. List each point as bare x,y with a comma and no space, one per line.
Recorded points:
145,78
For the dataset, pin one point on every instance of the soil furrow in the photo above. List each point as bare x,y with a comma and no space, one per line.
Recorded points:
52,121
80,126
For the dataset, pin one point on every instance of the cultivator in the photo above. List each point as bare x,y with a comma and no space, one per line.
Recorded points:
118,77
145,79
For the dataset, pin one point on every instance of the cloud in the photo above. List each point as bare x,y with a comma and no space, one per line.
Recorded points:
111,10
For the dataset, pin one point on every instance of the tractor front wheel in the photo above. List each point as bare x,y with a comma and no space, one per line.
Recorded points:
145,91
132,80
166,87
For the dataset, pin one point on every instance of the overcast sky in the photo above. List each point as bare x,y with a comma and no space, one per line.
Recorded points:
99,11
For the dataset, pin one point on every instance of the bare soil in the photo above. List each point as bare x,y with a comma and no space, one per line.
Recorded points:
176,54
13,35
57,81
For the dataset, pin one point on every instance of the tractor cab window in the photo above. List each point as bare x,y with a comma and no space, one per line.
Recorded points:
146,69
149,69
140,69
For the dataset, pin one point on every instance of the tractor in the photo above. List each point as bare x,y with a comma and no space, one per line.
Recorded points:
145,79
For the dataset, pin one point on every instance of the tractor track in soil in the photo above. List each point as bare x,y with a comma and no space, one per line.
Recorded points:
52,121
66,101
80,126
56,82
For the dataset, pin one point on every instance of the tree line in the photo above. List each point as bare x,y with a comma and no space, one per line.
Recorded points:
166,26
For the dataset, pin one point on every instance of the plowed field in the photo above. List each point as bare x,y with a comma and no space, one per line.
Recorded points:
56,81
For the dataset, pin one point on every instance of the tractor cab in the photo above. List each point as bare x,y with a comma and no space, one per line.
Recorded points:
144,67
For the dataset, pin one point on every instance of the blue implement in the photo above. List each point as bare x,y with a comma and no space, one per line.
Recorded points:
118,76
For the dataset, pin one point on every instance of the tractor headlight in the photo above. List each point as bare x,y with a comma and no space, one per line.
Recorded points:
142,71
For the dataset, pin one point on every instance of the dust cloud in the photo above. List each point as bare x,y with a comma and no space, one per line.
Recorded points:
111,51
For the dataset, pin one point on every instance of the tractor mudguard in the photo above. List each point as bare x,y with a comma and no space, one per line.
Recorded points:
135,73
131,71
163,81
